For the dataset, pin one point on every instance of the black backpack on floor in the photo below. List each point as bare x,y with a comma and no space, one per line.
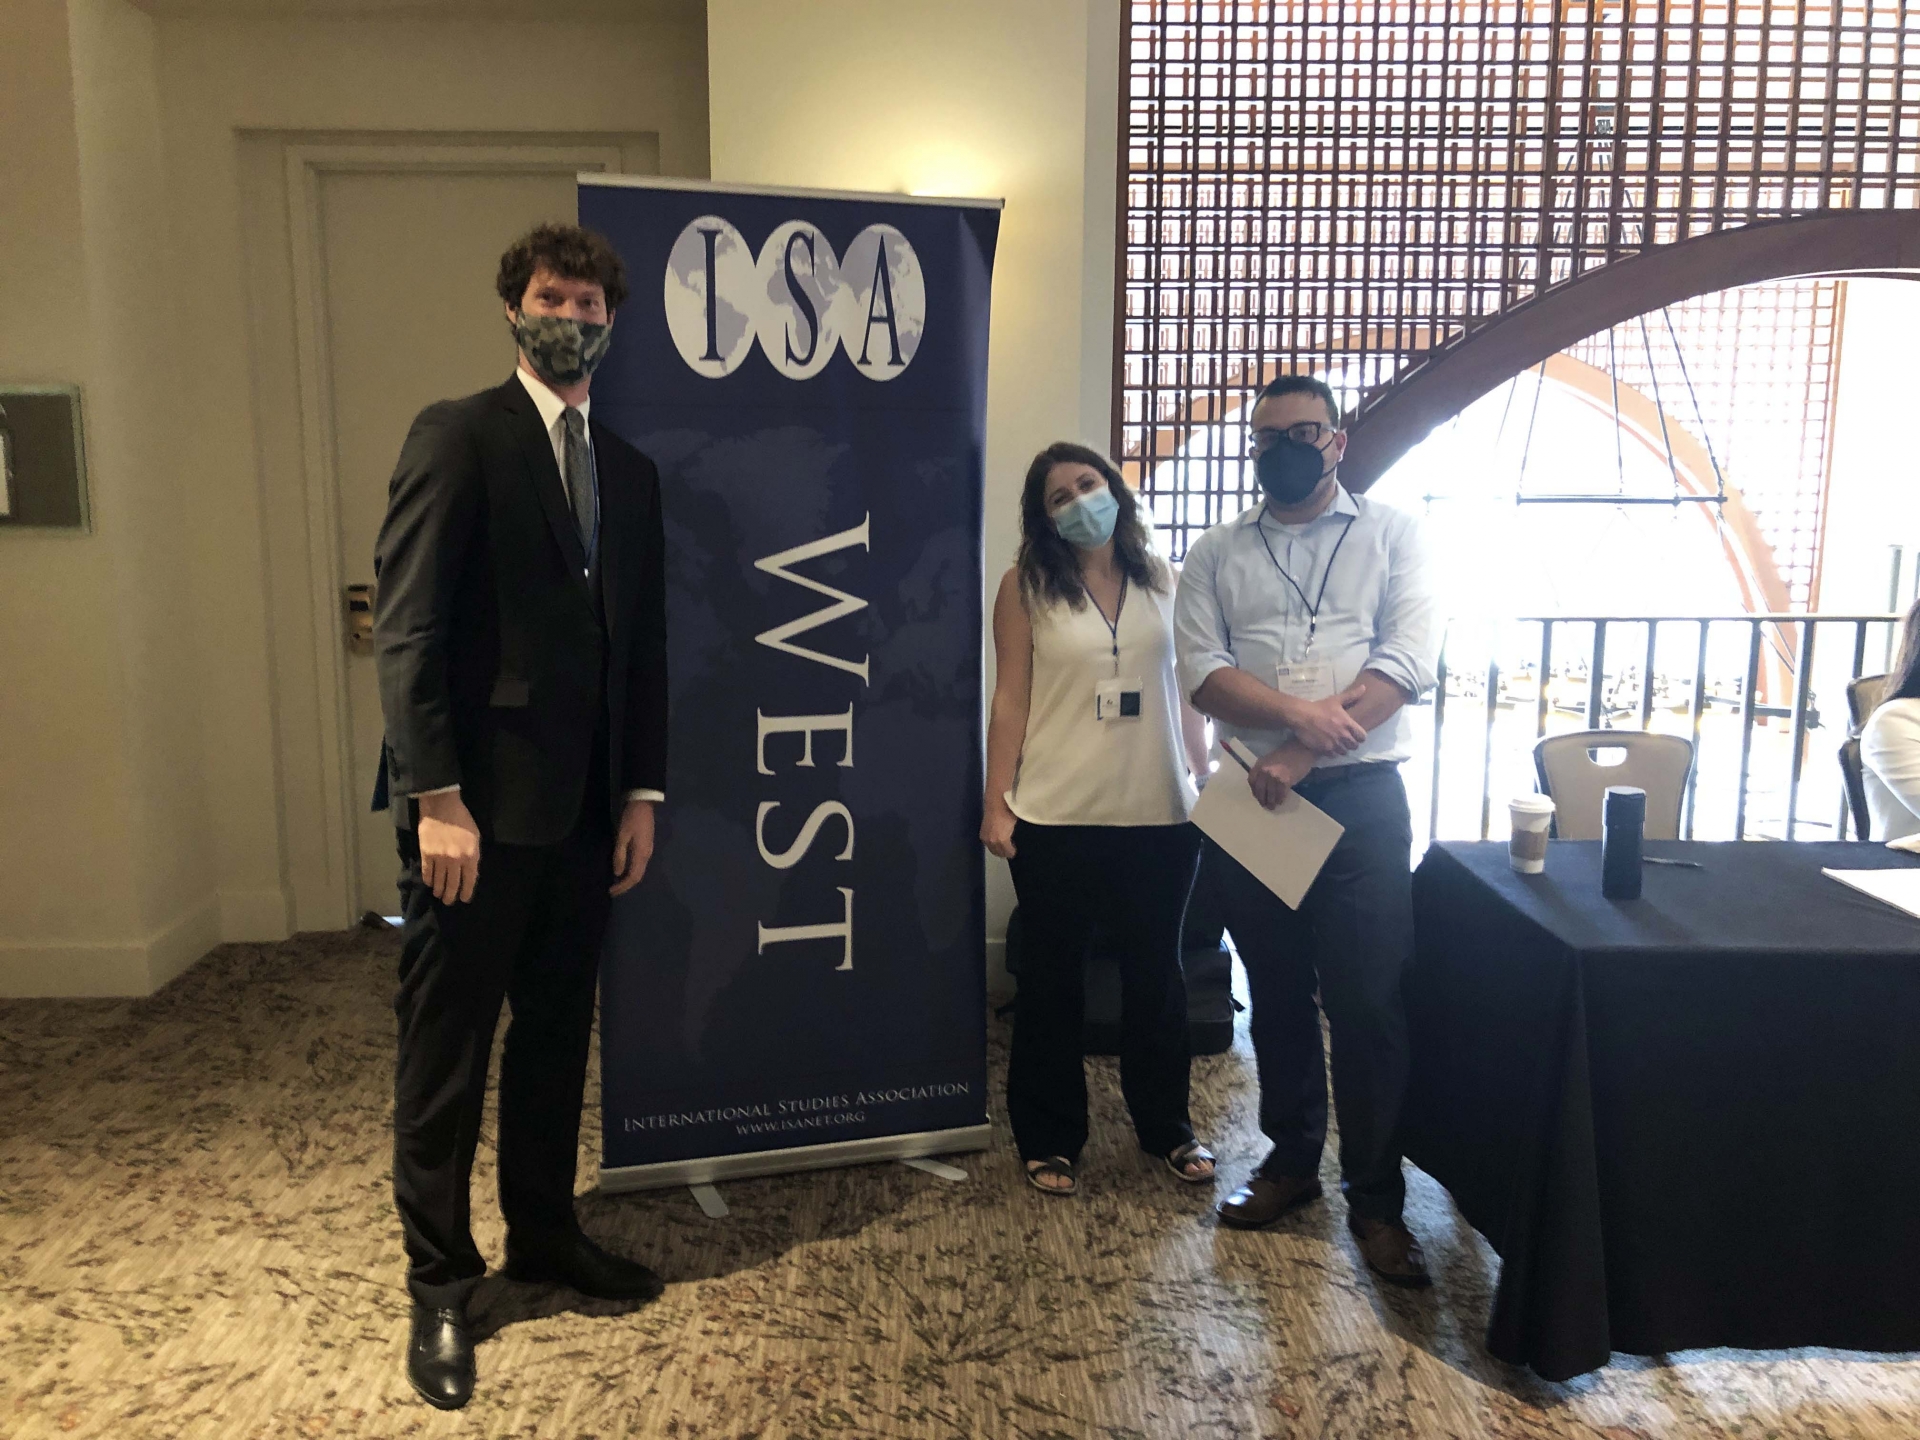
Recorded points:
1204,957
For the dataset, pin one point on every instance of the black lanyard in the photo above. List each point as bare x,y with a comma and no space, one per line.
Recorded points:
1113,625
1312,606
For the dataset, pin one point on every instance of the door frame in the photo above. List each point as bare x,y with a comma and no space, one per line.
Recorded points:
310,678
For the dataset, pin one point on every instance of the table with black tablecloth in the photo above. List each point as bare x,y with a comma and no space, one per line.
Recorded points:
1686,1120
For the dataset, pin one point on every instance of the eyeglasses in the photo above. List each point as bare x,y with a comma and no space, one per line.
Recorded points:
1307,432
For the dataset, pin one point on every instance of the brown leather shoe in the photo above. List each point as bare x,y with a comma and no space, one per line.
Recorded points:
1265,1198
1391,1252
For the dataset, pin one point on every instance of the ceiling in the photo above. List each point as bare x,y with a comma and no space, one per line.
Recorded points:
688,12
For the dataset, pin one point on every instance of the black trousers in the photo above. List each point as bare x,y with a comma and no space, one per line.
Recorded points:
1353,936
1130,883
531,935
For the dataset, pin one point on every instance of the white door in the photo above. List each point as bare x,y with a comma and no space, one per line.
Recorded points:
410,316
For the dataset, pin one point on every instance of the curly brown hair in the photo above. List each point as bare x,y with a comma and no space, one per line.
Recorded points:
570,251
1049,568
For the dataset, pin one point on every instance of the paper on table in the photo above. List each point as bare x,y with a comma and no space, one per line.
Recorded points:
1282,848
1898,888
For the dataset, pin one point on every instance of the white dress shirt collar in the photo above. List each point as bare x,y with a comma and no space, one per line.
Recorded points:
551,408
1341,504
550,405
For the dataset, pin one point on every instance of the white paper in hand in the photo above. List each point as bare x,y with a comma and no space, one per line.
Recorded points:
1284,848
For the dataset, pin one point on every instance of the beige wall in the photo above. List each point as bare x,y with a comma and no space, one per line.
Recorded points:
1010,98
135,376
425,80
141,814
61,706
105,881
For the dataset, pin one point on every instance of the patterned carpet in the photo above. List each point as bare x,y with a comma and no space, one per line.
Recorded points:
196,1240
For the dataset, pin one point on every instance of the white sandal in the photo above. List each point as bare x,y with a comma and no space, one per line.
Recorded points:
1192,1153
1051,1165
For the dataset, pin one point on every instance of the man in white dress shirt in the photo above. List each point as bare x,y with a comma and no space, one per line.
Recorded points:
1304,627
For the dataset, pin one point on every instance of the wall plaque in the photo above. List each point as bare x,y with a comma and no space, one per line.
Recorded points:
43,469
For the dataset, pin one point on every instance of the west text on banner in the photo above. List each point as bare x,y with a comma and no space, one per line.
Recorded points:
799,980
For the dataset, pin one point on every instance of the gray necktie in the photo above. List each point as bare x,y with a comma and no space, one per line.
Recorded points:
579,478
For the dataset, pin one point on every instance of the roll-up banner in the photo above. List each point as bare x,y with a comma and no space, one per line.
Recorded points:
799,981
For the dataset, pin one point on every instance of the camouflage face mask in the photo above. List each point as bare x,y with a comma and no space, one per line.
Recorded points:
563,351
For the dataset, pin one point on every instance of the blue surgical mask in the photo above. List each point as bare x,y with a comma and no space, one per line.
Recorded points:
1088,521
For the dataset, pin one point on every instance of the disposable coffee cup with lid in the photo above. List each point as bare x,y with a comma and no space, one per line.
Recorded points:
1532,816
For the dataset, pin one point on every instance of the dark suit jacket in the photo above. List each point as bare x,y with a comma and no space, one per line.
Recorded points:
494,650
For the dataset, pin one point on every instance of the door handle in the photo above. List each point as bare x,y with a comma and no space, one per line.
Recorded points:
359,611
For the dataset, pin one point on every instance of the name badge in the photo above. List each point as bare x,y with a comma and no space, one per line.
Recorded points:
1305,679
1117,700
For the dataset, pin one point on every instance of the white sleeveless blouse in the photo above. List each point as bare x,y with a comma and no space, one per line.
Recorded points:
1078,770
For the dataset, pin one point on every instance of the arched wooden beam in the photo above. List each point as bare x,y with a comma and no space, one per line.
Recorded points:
1400,414
1748,555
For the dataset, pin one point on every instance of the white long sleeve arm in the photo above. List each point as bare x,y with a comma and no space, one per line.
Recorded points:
1890,748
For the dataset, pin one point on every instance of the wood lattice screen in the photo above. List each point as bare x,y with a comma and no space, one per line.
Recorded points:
1338,186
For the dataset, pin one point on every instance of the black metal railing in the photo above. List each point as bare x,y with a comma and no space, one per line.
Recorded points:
1779,674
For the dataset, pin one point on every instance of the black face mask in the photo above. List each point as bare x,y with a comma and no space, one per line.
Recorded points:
1289,470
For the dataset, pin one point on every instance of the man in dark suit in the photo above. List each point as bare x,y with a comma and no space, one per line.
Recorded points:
520,630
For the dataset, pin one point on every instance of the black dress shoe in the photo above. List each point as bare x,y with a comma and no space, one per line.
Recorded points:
1265,1198
1391,1252
576,1261
440,1357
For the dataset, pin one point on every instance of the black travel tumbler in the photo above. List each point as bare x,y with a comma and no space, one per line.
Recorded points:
1622,823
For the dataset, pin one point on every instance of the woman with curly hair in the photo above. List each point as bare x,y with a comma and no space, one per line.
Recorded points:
1091,754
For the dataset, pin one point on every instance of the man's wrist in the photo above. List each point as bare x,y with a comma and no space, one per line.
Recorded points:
441,804
652,797
1287,708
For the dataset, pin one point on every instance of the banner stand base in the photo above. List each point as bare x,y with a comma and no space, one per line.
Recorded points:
803,1157
935,1168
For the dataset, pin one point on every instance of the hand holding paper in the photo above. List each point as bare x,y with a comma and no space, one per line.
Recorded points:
1284,847
1273,776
